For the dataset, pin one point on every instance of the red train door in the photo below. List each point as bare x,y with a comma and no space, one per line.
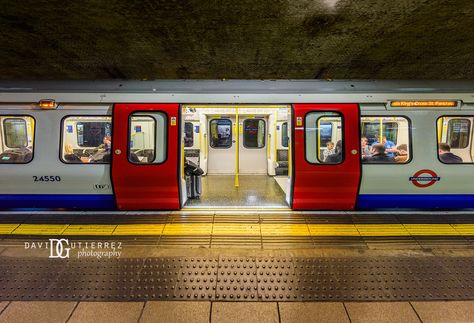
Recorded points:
145,156
325,178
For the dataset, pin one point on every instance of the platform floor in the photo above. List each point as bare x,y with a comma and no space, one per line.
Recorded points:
219,312
254,191
236,266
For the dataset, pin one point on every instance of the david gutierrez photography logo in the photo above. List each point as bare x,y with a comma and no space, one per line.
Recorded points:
64,248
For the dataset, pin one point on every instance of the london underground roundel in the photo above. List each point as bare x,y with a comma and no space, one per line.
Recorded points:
424,178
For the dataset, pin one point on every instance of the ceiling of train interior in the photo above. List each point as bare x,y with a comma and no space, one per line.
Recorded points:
228,39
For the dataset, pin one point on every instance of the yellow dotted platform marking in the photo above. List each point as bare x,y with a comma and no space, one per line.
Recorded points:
240,229
40,229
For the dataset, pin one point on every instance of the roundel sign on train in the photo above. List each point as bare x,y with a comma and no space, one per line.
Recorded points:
424,178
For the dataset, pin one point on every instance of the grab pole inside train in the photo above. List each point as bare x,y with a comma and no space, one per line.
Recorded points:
237,131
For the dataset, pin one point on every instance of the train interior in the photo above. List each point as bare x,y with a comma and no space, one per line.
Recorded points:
242,153
17,137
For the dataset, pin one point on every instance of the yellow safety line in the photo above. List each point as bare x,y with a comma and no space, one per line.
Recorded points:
7,228
240,229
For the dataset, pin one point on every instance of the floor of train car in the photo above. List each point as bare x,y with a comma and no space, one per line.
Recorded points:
254,191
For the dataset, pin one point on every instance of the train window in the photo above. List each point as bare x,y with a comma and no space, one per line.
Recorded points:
91,133
284,134
371,130
188,134
458,132
220,133
147,138
16,139
385,140
454,140
86,139
324,142
254,133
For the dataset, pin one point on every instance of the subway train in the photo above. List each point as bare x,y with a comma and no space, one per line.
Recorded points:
236,144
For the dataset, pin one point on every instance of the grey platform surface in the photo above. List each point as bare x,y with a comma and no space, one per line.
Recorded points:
217,312
254,191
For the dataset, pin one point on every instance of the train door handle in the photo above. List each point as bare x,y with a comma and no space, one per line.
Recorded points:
118,151
354,151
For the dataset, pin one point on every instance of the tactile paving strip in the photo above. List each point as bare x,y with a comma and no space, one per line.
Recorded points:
239,279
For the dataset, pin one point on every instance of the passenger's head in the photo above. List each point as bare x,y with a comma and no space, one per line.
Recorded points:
68,149
107,140
364,141
384,139
402,147
330,145
443,148
378,149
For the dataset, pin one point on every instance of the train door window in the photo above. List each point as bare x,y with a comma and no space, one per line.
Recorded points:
86,139
17,137
254,133
324,142
385,140
188,134
458,133
220,133
454,135
147,138
284,134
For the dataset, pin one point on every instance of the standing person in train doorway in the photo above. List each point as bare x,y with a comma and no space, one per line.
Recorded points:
446,156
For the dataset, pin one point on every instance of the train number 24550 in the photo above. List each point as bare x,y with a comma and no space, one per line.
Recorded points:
50,178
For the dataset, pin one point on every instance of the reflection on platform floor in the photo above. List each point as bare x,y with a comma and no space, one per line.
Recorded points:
254,191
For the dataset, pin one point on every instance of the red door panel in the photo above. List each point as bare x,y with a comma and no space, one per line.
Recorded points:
146,186
324,186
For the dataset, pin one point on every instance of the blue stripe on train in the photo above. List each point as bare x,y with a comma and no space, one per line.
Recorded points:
415,201
55,201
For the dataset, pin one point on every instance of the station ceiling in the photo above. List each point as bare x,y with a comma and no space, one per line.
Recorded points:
245,39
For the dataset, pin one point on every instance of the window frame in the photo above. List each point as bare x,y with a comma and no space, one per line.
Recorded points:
264,134
148,113
61,140
5,132
437,143
192,134
77,135
231,133
343,125
34,136
286,132
410,138
468,132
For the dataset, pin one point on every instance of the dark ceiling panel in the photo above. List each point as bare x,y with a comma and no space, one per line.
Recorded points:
96,39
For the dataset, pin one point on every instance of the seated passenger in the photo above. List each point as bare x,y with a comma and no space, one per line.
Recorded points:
446,156
390,148
402,154
17,155
335,158
364,147
103,152
329,150
69,155
378,155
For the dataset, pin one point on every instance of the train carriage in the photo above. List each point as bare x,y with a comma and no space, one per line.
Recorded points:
304,145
